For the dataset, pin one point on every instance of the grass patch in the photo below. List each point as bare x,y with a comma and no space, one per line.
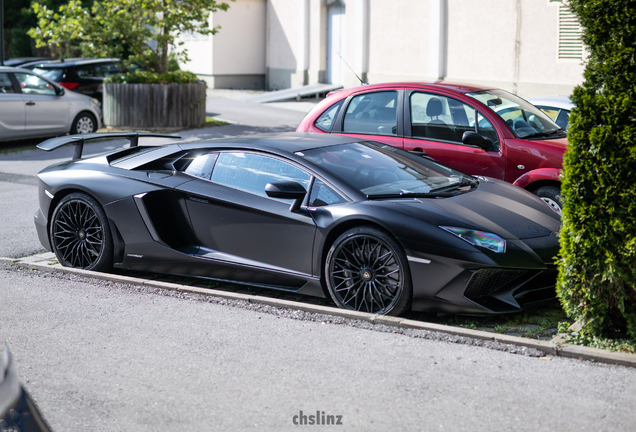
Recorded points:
540,322
576,338
212,122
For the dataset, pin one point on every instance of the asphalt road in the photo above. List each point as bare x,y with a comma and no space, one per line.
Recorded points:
102,356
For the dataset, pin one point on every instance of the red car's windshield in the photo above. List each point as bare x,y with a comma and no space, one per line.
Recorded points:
524,119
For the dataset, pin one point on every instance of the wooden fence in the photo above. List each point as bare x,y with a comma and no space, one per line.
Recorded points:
154,105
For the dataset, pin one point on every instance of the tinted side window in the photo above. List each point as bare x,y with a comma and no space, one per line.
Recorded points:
86,71
442,118
323,195
5,84
202,165
106,69
563,119
32,84
372,113
325,121
251,172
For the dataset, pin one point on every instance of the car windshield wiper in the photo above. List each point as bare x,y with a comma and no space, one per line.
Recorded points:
454,186
545,134
413,195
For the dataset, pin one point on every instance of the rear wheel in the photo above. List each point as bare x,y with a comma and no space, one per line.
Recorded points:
551,195
366,270
84,123
80,234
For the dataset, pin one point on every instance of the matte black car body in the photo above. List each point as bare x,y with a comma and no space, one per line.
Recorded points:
163,220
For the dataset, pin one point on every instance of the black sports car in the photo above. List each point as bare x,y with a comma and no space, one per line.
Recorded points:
377,228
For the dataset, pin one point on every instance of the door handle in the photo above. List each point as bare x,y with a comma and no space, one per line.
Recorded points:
30,103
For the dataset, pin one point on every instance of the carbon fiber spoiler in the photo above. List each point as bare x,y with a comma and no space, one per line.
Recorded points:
79,140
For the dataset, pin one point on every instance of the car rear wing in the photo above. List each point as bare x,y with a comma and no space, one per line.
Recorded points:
79,140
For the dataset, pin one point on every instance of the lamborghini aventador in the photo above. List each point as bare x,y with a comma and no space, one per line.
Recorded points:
376,228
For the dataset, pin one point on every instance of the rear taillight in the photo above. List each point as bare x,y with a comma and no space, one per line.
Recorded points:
68,85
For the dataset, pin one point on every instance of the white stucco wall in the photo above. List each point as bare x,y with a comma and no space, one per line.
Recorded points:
394,42
235,55
398,41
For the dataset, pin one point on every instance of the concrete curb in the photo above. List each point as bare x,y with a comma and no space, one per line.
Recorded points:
555,347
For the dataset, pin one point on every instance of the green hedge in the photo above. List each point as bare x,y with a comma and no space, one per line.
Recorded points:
139,77
597,266
17,43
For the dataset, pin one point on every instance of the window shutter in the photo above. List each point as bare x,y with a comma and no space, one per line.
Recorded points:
569,38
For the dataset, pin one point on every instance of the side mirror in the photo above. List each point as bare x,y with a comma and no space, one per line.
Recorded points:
287,190
59,91
474,139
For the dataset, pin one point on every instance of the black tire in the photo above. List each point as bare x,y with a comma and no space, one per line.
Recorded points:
80,234
551,195
366,270
85,122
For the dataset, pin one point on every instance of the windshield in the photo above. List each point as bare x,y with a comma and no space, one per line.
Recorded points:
524,119
379,170
52,74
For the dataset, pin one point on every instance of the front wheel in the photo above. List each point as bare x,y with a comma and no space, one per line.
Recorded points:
80,234
84,123
551,195
366,270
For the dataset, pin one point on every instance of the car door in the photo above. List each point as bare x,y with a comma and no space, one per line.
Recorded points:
235,221
47,112
375,116
435,123
12,112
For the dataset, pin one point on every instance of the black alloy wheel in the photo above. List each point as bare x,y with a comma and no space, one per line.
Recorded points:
551,195
366,270
80,234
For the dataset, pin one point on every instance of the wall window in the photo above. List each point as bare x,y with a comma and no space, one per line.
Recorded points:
570,44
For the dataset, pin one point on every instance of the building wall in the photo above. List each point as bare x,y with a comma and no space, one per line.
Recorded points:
235,56
398,41
485,52
510,44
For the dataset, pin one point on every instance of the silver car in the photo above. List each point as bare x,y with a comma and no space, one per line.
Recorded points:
32,106
556,107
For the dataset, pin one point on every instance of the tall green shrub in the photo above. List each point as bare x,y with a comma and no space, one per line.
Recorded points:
597,268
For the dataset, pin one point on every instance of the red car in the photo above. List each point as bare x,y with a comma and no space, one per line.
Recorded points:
479,130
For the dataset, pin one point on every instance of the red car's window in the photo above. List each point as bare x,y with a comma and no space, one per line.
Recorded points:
325,121
372,113
441,118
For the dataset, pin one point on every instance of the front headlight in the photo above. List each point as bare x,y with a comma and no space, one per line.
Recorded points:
483,239
95,101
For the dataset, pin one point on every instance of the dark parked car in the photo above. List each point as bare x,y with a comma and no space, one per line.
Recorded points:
478,130
18,411
19,61
376,228
84,76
